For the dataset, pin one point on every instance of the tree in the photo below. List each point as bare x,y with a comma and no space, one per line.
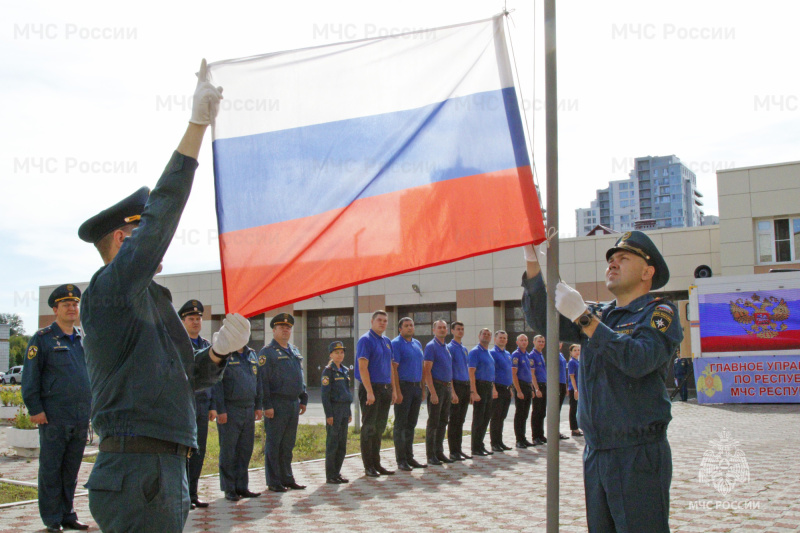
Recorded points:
17,345
13,319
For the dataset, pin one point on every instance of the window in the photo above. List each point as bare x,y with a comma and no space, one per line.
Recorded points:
778,240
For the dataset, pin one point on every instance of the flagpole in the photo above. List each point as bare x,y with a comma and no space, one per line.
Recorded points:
357,406
551,133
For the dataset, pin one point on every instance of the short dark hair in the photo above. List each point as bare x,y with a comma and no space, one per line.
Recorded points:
377,313
402,321
500,332
104,244
456,323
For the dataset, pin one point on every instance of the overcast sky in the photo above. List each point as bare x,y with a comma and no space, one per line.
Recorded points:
96,95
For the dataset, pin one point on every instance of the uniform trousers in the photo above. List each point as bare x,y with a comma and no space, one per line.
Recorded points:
281,435
236,438
521,408
131,492
499,412
438,415
197,458
481,414
373,422
336,439
60,454
406,415
458,413
573,411
539,410
562,393
627,489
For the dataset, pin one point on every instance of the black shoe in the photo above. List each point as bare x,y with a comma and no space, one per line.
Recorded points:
539,441
505,447
543,439
371,472
479,453
563,437
434,461
487,452
529,444
294,486
464,456
197,502
497,448
233,497
405,467
74,524
521,444
383,471
343,479
277,488
456,457
333,481
248,494
192,507
443,458
54,527
415,464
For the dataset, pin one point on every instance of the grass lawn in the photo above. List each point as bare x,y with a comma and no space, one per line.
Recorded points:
15,493
310,444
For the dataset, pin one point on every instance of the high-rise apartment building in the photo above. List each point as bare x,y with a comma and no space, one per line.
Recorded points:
661,190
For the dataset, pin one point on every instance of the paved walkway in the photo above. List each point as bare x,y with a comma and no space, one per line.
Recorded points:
507,491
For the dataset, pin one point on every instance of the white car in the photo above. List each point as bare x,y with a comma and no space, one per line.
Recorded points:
13,376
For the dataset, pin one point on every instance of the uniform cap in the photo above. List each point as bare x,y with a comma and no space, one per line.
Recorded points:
283,318
64,293
126,211
192,307
335,345
640,244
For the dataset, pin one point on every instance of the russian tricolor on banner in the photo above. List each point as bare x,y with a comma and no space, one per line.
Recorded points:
345,163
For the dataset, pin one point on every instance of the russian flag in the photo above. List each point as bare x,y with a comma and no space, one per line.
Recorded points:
340,164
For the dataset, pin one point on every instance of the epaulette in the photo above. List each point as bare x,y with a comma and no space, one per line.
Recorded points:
44,331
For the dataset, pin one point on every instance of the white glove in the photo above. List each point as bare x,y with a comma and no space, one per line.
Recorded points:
569,302
535,254
205,103
234,334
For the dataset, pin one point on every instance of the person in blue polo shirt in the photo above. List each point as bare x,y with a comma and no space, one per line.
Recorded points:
376,392
336,400
458,410
573,369
539,401
522,375
562,382
437,371
481,390
56,392
407,362
503,384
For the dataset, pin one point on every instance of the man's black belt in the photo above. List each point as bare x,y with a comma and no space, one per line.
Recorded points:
457,382
143,445
442,383
482,381
415,383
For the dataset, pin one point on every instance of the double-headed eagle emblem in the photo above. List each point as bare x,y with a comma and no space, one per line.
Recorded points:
724,465
766,314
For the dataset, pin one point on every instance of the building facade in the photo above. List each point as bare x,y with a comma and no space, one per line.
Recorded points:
759,229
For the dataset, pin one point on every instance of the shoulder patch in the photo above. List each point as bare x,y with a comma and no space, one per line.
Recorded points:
665,308
516,360
255,369
32,351
661,320
325,381
262,359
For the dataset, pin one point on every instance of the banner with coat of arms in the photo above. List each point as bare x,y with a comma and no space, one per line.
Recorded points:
746,322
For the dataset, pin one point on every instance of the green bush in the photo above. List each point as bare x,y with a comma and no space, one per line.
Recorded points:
6,396
23,420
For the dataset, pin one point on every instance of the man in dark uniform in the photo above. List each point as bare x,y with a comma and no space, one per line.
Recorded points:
57,395
681,369
285,399
142,369
437,371
237,403
458,410
625,351
191,314
407,365
376,392
503,379
336,400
